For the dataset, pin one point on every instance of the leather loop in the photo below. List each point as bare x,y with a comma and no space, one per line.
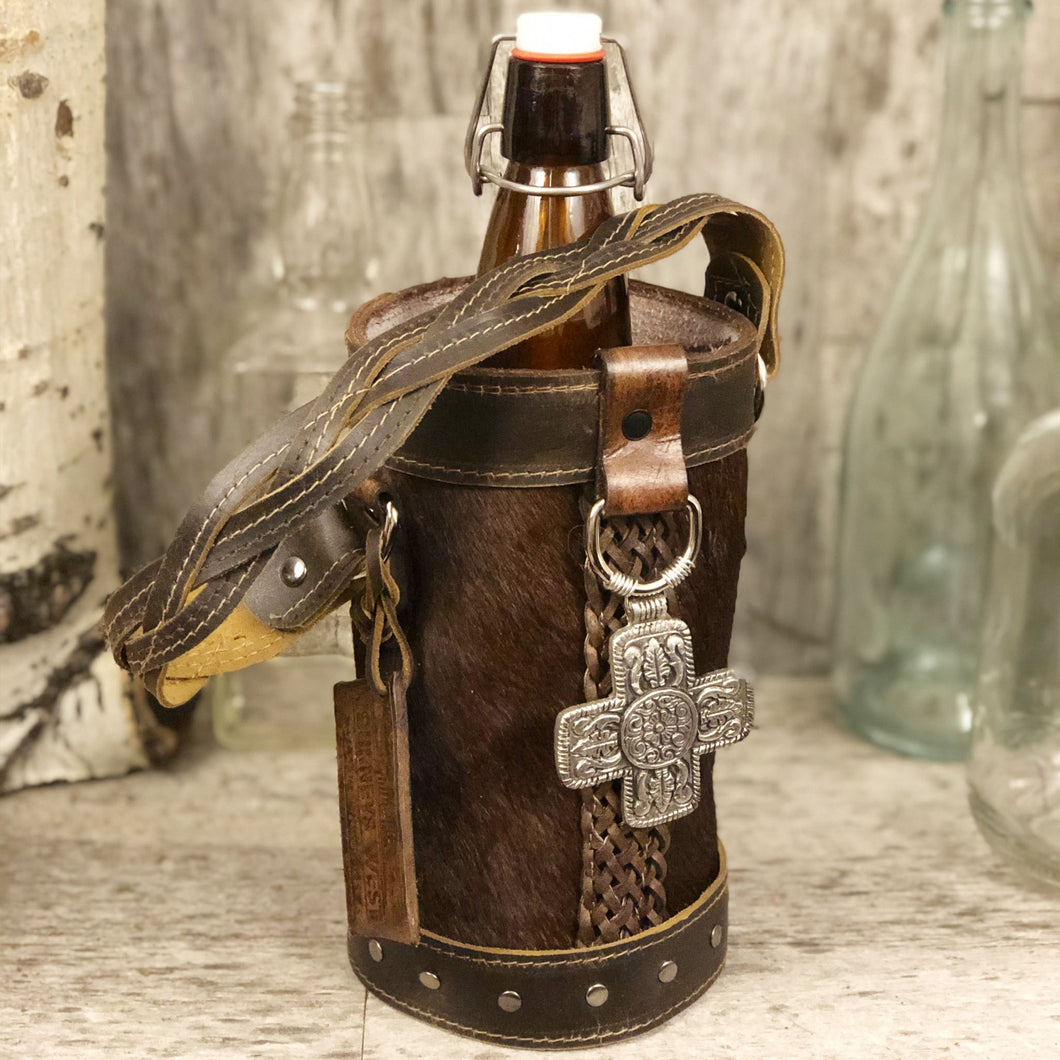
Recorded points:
642,466
561,998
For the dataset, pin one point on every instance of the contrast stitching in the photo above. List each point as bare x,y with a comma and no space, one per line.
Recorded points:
634,946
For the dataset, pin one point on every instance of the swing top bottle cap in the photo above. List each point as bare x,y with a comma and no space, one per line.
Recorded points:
558,37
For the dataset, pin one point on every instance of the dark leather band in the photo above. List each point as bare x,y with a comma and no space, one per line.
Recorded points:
513,427
546,997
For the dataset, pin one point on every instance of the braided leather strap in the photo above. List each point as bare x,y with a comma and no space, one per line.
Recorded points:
180,607
623,868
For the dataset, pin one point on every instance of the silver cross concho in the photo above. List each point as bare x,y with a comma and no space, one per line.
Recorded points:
660,716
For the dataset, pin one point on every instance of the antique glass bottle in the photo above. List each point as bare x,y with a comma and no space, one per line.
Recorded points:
555,136
291,348
1014,767
964,358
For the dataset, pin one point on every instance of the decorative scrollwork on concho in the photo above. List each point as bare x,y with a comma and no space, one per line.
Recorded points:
656,723
726,710
659,728
595,745
663,793
652,662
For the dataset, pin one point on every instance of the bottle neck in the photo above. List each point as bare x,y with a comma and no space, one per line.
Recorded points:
555,113
979,147
323,224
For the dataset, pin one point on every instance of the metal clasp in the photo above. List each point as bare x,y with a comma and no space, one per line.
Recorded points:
628,586
483,125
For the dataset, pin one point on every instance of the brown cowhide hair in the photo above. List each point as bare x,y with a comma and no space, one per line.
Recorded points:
496,621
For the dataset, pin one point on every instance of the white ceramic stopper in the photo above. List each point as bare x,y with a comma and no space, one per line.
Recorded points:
558,33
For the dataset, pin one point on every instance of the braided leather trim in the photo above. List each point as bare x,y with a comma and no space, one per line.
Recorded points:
623,869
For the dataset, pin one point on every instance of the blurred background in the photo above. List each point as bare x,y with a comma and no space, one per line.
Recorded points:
821,113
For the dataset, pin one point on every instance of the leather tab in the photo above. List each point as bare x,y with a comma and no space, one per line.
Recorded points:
375,809
642,466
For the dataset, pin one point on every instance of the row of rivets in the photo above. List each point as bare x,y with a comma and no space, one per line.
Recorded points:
595,996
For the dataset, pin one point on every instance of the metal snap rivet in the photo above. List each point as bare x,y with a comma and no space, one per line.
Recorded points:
667,971
430,980
293,571
596,995
717,935
510,1001
637,424
375,950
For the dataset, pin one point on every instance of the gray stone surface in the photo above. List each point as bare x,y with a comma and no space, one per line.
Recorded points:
199,912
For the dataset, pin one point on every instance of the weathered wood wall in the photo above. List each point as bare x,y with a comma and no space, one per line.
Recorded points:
65,709
823,113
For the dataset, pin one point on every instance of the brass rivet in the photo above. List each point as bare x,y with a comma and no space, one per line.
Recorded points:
375,950
717,935
596,995
430,980
510,1001
667,971
293,571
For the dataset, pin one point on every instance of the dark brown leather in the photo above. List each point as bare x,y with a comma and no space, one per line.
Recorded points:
510,427
370,408
647,979
641,468
375,810
332,549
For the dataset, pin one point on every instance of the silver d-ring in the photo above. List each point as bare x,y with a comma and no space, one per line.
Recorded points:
626,585
387,524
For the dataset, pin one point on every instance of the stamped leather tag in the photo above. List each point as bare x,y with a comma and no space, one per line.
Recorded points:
375,809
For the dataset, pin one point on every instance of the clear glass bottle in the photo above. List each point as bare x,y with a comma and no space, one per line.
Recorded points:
291,348
965,357
1014,766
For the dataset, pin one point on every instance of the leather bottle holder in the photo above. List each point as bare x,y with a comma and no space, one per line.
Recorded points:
527,434
486,893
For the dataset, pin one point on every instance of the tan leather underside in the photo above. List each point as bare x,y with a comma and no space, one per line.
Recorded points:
241,640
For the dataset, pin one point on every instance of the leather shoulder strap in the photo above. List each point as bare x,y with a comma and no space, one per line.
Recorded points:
321,452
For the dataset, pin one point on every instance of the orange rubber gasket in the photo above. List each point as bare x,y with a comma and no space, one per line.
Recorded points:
541,57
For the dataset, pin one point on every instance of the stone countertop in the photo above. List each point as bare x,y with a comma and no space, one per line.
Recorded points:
198,911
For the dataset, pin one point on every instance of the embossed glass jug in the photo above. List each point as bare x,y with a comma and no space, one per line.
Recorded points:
965,357
1014,767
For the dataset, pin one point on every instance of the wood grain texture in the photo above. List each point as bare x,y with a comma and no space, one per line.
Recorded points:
199,912
822,114
64,713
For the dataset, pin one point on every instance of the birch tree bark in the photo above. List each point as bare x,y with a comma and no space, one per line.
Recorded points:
66,711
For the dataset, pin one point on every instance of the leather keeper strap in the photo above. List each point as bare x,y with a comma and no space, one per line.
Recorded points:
642,466
518,428
560,998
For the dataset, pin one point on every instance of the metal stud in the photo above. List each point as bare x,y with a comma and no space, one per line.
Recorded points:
430,980
510,1001
667,971
375,950
717,935
597,995
293,571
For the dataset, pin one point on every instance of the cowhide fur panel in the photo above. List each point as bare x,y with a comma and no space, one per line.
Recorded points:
496,622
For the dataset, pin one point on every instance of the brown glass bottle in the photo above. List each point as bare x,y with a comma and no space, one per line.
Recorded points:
555,135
